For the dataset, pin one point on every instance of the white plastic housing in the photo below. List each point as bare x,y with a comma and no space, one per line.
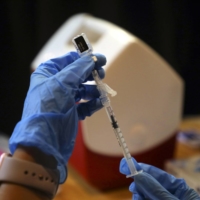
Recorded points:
148,106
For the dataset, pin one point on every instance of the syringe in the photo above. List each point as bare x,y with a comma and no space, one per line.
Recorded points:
84,48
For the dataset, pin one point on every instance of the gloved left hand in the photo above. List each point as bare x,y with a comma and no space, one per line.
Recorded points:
51,113
156,184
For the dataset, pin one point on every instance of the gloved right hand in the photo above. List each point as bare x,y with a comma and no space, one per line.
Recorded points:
156,184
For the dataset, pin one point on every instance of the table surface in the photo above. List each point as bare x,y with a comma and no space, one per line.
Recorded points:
77,188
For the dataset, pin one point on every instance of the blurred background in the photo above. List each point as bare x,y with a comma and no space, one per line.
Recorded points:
170,27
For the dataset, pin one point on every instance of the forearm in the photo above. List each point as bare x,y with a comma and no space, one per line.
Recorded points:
10,191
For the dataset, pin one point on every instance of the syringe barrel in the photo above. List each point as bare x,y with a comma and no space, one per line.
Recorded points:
125,151
101,88
106,103
122,143
131,166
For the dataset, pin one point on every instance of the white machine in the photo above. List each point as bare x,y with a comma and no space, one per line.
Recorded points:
149,101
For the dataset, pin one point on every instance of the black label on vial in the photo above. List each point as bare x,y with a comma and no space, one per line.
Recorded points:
80,42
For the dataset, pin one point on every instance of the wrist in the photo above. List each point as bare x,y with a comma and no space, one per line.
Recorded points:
33,154
29,172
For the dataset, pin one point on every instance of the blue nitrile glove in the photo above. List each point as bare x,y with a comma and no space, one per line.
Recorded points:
51,114
156,184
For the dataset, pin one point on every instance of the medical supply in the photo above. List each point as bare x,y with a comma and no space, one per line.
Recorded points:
190,137
155,183
84,47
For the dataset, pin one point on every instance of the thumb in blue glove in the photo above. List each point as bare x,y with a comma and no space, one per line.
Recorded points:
156,184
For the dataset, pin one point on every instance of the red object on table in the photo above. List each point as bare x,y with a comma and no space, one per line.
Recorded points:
103,171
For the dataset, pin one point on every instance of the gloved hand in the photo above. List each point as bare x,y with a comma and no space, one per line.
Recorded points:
51,113
156,184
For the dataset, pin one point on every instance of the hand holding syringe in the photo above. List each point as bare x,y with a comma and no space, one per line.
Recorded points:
83,47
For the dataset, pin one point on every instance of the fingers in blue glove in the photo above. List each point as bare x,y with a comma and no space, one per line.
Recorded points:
101,73
155,184
136,196
87,92
101,61
54,65
144,185
69,69
80,70
148,187
88,108
123,168
175,186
